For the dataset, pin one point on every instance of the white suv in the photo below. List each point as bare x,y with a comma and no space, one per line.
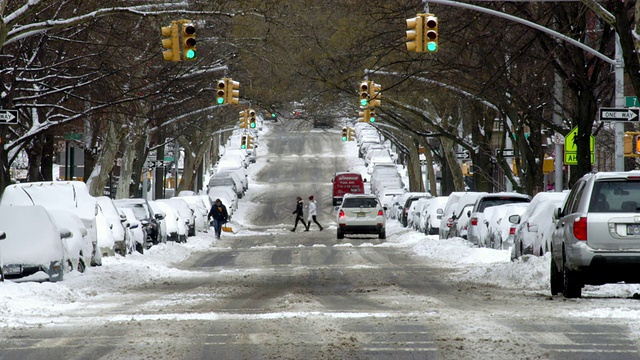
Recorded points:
361,214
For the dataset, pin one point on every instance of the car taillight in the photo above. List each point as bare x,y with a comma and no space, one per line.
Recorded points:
512,230
474,221
580,228
450,222
380,213
341,214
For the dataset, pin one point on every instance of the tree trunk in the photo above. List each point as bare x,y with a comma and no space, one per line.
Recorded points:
106,159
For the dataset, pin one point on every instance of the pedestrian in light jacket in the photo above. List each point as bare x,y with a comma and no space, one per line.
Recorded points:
312,213
299,214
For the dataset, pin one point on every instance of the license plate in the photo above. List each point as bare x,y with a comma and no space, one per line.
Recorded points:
633,229
361,214
12,269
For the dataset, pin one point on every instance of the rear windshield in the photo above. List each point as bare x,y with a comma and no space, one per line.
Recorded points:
489,202
360,202
615,196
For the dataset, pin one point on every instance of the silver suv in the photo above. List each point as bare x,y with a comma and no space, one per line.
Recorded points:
361,214
597,234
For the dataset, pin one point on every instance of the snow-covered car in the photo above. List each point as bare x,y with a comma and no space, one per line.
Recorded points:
116,224
106,241
186,214
498,225
136,230
536,225
199,210
432,214
28,249
226,195
477,229
70,196
361,214
145,214
415,213
162,224
466,202
222,180
78,246
176,227
447,214
388,199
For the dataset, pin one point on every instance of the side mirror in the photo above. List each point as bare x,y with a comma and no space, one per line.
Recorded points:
134,226
439,211
514,219
65,233
3,235
469,213
159,216
557,213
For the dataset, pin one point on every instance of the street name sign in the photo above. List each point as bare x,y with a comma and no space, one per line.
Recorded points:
506,152
8,117
620,114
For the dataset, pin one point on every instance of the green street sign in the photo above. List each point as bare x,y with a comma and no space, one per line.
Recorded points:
72,136
631,101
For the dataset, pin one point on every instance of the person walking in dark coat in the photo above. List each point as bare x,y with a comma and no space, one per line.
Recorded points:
299,214
220,216
313,213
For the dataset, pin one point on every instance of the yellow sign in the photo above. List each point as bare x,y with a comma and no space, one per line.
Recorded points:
571,147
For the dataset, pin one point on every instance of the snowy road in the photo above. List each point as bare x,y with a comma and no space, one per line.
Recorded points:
266,293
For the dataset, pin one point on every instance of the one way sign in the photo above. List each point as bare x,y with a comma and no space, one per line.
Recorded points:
8,116
619,114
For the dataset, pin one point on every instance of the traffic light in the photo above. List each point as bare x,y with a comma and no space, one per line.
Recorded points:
351,133
252,118
415,31
375,93
431,33
364,93
637,144
250,144
221,92
233,92
189,42
372,116
244,119
172,43
345,134
243,143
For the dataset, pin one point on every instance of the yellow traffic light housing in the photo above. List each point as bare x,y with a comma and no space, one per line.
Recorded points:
637,144
372,116
221,92
351,133
243,119
415,34
345,134
375,93
233,91
431,33
364,115
252,118
189,41
250,142
363,91
243,142
171,43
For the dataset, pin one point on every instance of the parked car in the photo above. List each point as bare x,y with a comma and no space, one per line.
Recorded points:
222,180
186,214
176,226
116,224
106,241
415,213
162,223
536,225
78,247
499,228
27,249
70,196
361,214
597,233
460,222
413,196
447,214
477,231
388,198
432,214
200,211
137,230
145,214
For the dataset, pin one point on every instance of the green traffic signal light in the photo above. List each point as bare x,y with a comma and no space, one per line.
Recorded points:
252,124
220,100
372,119
190,54
432,46
364,102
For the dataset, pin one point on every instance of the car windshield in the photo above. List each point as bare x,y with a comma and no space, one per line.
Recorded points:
489,202
615,196
360,202
139,210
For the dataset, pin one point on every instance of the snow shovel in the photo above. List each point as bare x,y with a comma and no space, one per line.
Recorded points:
226,228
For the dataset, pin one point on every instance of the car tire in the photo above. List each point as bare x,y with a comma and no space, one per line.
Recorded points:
555,278
1,275
340,235
382,234
140,248
81,267
571,287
